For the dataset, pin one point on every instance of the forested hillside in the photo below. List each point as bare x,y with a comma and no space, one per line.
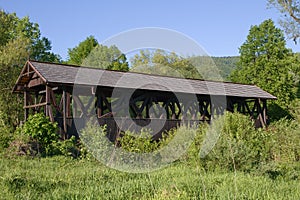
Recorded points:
226,65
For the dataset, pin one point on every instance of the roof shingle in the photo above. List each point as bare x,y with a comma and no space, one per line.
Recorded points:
66,74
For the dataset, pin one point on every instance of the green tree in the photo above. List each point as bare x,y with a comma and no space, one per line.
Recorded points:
40,47
20,39
77,54
266,62
12,55
12,28
105,57
6,22
290,20
163,63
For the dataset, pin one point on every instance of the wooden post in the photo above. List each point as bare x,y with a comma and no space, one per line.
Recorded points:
36,99
147,110
65,127
47,101
265,111
26,110
68,104
230,105
260,113
172,105
99,106
48,108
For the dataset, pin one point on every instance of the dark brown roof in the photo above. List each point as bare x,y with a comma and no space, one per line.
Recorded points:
67,74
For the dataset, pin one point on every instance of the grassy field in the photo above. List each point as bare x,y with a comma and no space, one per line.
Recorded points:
66,178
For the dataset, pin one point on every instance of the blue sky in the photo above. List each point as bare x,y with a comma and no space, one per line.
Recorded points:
220,27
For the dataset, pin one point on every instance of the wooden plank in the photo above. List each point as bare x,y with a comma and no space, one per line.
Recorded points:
35,105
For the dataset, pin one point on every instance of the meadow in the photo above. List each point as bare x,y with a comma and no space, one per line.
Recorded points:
61,177
245,163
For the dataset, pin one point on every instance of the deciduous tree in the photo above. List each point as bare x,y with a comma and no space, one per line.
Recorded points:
77,54
20,40
163,63
105,57
290,20
266,62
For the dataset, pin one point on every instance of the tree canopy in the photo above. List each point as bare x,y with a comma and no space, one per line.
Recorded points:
163,63
266,62
77,54
105,57
20,40
290,21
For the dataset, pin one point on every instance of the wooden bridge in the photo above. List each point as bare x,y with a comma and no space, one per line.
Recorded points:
66,92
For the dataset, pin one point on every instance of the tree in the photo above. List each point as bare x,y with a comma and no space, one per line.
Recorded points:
12,27
77,54
163,63
20,39
266,62
40,47
291,16
104,57
13,55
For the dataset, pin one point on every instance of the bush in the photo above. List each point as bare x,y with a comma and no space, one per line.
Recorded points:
5,134
38,136
231,142
41,129
141,143
286,137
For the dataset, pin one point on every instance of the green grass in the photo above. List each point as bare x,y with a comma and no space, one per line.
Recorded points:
65,178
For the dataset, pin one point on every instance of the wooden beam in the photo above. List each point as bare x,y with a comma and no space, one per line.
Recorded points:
99,106
47,101
68,106
35,105
53,102
265,111
78,102
260,114
179,109
26,111
65,127
28,73
35,82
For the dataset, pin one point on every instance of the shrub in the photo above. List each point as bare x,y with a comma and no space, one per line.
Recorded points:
69,147
138,143
231,142
5,134
286,137
42,130
94,141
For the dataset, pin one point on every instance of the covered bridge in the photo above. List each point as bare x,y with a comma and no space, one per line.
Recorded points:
66,92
